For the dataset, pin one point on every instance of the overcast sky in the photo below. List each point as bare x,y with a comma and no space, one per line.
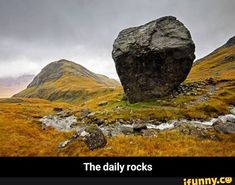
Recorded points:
34,33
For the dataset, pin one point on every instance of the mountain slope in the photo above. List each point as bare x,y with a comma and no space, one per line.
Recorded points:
64,80
220,64
12,85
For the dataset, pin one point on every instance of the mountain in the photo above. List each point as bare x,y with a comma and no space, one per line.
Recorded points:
11,85
67,81
220,64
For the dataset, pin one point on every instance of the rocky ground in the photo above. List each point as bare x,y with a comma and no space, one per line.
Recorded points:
94,134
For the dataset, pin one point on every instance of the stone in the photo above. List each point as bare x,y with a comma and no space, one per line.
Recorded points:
58,109
63,114
153,59
103,103
91,115
227,128
232,111
126,129
100,122
139,127
84,112
149,133
64,144
200,131
227,118
94,137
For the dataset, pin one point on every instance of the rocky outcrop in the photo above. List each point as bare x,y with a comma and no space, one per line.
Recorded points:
153,59
230,42
226,124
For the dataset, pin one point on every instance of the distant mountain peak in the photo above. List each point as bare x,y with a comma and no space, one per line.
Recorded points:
57,69
64,80
230,42
12,85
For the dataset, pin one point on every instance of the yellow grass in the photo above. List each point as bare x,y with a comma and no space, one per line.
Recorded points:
213,66
168,143
20,132
22,135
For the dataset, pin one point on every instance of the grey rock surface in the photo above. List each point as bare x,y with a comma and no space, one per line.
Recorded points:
227,128
153,59
94,137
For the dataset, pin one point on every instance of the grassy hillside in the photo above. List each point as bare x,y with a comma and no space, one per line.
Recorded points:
67,81
219,65
67,88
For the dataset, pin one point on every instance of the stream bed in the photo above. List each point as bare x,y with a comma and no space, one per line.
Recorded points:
69,123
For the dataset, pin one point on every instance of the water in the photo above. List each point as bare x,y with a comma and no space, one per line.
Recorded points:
70,123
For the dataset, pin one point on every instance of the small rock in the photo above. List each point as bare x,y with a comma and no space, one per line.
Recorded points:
90,115
149,133
227,128
121,121
227,118
64,144
100,122
58,109
197,130
232,111
139,127
103,103
211,81
94,137
126,129
85,112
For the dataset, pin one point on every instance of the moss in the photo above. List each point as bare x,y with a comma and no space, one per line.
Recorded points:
91,128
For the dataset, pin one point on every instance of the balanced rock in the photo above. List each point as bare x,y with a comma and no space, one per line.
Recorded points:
153,59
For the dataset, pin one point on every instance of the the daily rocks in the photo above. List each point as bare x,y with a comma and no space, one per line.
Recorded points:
153,59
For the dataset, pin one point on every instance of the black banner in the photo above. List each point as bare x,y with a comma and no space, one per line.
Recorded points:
116,166
92,181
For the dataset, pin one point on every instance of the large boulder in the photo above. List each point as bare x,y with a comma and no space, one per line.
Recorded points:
153,59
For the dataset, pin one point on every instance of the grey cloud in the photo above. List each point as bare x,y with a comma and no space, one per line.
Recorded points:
34,33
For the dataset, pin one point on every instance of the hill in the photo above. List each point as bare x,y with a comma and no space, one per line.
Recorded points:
11,85
64,80
220,64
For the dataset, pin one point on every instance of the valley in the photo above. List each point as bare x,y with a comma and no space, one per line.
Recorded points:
91,99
